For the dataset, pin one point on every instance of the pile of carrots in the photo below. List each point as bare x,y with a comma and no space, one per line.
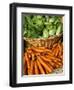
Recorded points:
41,60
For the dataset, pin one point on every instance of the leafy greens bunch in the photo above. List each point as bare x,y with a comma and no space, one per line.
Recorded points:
41,26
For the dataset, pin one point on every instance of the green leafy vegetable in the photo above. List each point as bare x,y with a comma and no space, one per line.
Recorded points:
41,26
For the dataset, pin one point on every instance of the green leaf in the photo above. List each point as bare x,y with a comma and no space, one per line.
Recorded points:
59,30
45,33
52,32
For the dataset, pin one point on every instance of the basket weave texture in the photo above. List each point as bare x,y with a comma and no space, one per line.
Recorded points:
41,42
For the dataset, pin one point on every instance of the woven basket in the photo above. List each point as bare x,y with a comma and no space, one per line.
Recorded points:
37,42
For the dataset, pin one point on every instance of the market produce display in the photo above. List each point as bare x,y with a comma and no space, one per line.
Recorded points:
40,60
43,44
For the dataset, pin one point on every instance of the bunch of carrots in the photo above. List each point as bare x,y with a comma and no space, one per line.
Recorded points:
41,60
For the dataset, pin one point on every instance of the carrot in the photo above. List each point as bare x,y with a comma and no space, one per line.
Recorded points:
50,54
44,64
40,67
57,52
29,55
33,56
47,72
29,50
50,66
55,58
48,57
59,46
28,62
54,46
45,59
24,65
36,68
25,69
32,67
60,64
40,49
60,49
58,59
48,60
60,54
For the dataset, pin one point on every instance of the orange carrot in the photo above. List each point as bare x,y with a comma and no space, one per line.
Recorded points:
24,65
40,67
54,46
44,64
28,62
47,72
29,50
59,46
60,64
29,55
57,52
32,67
60,49
50,54
39,49
48,60
57,49
43,60
55,58
36,68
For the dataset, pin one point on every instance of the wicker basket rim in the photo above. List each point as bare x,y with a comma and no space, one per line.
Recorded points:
51,37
